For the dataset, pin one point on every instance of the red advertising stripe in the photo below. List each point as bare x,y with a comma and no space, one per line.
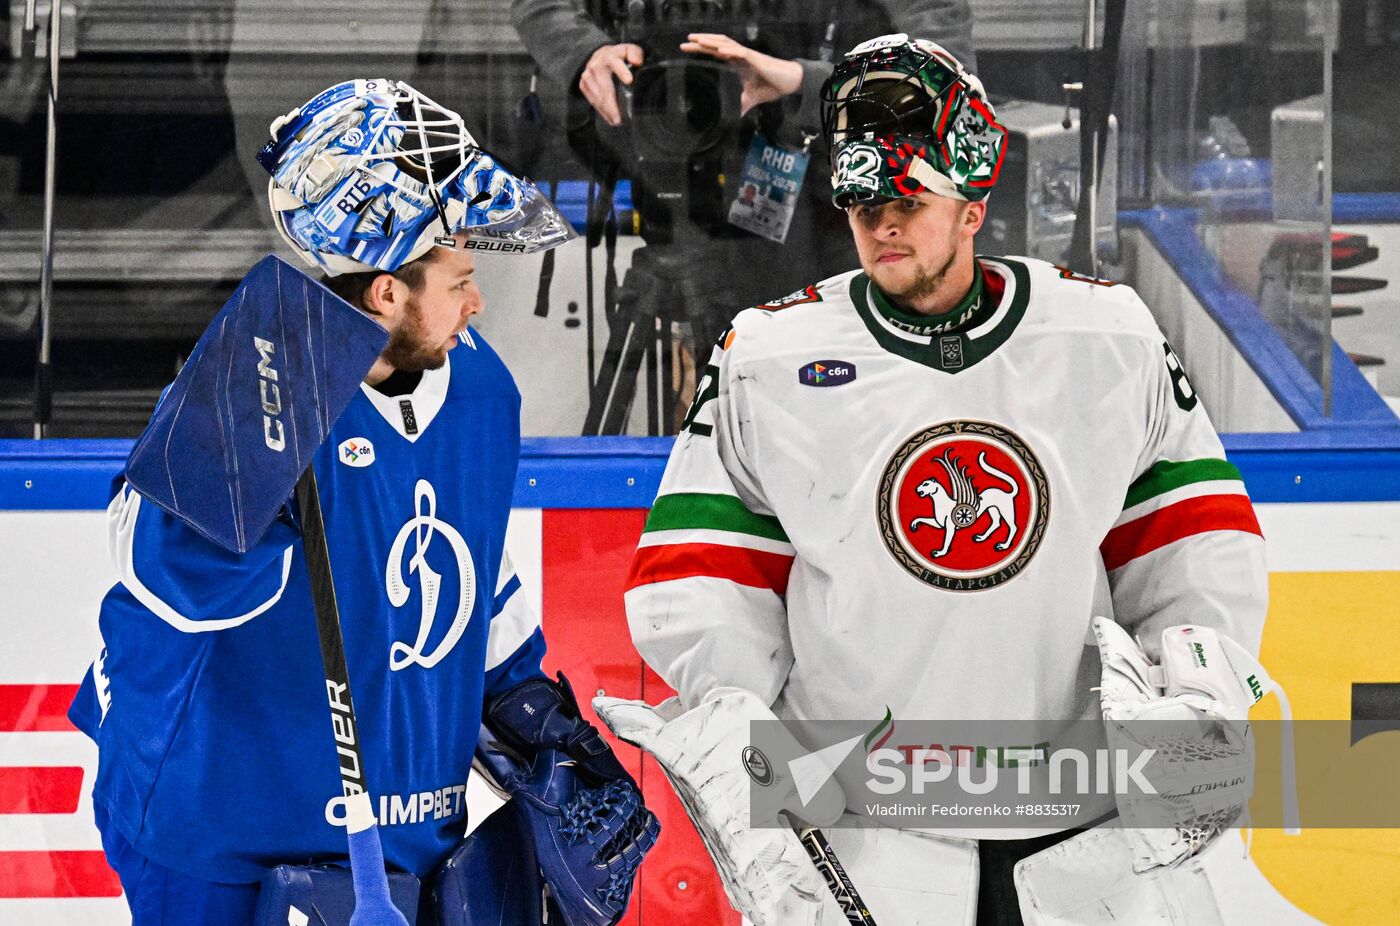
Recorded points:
1139,537
57,874
36,708
754,568
587,553
53,789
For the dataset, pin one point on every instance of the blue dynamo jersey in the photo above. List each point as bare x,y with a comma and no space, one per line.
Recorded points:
208,701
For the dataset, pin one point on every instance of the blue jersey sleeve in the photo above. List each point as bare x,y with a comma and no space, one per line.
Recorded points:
515,644
188,581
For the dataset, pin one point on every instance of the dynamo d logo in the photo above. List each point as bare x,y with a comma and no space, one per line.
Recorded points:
356,452
424,527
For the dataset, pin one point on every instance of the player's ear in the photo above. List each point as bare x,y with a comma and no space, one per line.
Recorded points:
384,298
974,214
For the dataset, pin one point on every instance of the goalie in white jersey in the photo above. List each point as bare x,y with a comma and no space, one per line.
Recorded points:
911,486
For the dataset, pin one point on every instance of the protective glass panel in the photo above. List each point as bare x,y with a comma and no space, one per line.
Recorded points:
1241,109
160,206
699,202
24,130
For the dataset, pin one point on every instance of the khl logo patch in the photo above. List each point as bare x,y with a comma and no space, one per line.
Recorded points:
356,452
827,373
963,505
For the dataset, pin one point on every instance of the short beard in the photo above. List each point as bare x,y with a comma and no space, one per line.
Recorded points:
406,351
925,285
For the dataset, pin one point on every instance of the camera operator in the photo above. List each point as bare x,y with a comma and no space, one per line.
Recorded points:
711,109
561,33
569,37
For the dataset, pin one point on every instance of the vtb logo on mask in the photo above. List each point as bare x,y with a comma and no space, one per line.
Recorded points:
423,528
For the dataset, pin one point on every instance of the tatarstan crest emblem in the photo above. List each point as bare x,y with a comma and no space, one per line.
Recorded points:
963,505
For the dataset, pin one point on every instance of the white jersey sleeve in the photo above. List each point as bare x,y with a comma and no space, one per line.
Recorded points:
515,643
705,595
1187,548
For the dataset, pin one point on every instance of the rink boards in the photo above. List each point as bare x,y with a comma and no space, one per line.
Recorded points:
1332,519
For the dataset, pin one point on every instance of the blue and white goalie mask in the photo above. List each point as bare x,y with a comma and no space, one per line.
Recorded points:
371,174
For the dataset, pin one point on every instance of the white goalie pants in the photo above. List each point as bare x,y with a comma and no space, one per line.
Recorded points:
1089,880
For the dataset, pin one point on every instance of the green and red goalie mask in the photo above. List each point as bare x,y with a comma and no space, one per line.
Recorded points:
901,116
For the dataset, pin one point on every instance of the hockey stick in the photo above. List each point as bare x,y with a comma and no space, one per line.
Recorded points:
373,906
837,881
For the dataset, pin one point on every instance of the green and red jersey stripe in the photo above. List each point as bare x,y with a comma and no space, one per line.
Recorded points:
683,516
1191,511
1168,476
754,568
710,511
1127,542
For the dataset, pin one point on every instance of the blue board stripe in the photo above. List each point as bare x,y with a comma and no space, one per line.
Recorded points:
1365,208
601,472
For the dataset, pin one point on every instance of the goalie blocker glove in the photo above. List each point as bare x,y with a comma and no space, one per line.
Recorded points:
541,714
588,842
580,809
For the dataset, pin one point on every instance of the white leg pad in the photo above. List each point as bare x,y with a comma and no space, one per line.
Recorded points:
910,877
1088,880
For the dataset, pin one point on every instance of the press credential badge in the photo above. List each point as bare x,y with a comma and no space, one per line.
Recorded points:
768,186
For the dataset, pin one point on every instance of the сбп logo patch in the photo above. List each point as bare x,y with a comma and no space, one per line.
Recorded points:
826,373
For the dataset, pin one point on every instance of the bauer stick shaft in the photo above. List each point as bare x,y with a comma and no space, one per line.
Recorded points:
373,906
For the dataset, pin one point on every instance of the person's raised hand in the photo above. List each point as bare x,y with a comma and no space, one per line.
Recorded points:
765,78
596,81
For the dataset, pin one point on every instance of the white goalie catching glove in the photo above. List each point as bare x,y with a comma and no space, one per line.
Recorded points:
1192,711
709,758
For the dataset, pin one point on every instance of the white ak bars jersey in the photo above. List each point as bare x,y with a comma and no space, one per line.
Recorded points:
866,512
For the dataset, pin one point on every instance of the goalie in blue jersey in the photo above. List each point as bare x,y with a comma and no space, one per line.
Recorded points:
217,761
